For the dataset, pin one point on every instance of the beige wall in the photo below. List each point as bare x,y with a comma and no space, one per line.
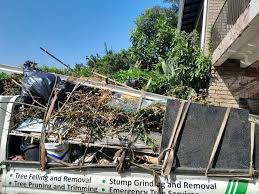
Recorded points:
230,85
214,7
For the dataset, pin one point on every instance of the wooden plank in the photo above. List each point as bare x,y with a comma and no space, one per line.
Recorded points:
172,136
219,137
169,164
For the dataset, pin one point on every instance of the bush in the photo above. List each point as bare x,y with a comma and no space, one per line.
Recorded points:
153,35
56,70
111,62
78,71
182,73
191,66
150,80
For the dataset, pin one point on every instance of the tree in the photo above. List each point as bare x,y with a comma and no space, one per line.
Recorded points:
111,62
153,35
186,64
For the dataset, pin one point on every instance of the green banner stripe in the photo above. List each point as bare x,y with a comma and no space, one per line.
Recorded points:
242,187
233,187
228,187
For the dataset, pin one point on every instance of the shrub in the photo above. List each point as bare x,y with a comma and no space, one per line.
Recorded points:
153,35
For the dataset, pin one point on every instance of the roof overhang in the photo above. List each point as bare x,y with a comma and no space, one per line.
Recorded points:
189,13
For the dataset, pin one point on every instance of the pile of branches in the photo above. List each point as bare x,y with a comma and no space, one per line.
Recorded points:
86,113
9,85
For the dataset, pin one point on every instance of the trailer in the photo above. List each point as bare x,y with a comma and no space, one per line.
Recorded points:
203,149
26,176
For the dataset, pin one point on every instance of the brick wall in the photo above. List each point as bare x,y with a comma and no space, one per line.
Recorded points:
232,86
214,7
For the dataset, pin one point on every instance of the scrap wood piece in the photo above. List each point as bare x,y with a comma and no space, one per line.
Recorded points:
169,162
218,139
50,105
148,159
109,79
103,161
90,157
142,96
16,82
172,136
117,155
85,152
121,164
155,173
43,160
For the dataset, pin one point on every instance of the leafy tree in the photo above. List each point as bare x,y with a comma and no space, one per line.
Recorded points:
182,72
166,60
151,80
186,64
153,35
111,62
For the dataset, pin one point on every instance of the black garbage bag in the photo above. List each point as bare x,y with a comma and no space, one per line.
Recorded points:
37,83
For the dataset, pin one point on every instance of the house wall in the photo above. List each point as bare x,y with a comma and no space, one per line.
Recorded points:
214,7
230,85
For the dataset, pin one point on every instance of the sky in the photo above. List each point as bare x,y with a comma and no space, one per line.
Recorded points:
69,29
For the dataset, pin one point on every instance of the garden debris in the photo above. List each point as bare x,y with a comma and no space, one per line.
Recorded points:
10,85
118,127
109,126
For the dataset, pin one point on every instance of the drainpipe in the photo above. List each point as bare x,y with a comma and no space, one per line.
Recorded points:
204,23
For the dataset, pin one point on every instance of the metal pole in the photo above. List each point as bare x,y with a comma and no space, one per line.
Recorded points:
55,58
